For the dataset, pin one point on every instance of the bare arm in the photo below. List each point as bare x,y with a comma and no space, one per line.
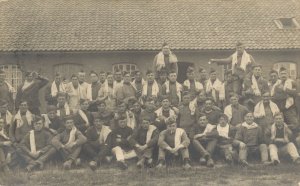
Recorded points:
224,61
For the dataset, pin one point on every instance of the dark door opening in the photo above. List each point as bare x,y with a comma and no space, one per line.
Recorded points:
182,67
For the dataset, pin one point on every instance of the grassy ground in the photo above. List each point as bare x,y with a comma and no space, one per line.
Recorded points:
284,174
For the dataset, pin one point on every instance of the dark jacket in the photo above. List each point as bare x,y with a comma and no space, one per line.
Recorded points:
31,94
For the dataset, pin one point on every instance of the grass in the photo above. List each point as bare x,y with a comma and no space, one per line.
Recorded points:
283,174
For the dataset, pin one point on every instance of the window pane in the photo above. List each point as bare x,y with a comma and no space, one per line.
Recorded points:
13,74
290,66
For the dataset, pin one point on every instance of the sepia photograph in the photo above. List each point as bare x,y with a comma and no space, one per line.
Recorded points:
149,92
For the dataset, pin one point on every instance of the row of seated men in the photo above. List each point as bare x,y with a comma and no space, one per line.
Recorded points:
153,137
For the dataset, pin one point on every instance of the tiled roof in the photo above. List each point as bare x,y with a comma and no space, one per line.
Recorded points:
104,25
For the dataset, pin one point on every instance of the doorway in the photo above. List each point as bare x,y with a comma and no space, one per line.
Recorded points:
182,67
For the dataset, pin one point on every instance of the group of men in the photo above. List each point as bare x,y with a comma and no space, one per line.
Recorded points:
153,118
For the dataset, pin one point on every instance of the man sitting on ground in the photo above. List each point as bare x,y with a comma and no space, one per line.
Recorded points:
173,141
202,141
144,139
69,143
250,139
97,146
36,146
121,147
280,141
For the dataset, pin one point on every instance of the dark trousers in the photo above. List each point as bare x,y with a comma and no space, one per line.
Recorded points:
41,159
95,151
71,154
205,147
2,156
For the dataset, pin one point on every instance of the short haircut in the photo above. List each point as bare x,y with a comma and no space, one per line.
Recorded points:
209,99
137,71
97,116
102,72
239,43
273,72
146,118
93,72
190,69
81,71
172,72
126,73
282,69
186,93
57,74
149,72
123,103
51,108
163,72
68,117
170,120
122,118
212,70
201,115
100,102
279,114
62,94
232,94
38,118
23,101
257,65
224,116
249,112
165,44
74,75
28,74
81,101
165,97
201,70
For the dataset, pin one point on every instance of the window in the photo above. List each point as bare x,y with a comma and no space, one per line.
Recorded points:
124,67
67,69
290,66
13,74
287,23
225,68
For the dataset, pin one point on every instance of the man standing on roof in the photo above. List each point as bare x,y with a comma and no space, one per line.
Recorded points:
241,63
165,60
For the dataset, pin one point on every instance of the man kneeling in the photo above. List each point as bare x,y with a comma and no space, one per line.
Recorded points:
96,148
173,141
144,139
280,141
36,148
69,143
